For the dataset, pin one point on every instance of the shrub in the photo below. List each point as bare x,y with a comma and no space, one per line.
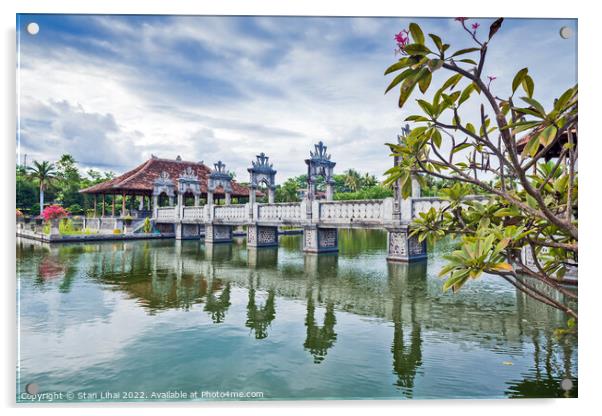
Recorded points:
75,209
52,212
147,227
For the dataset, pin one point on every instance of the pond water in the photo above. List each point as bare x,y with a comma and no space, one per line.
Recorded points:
165,320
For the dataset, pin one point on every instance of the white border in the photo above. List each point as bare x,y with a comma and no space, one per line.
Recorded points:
590,150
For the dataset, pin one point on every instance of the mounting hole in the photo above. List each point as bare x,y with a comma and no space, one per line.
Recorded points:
566,32
33,28
32,388
566,384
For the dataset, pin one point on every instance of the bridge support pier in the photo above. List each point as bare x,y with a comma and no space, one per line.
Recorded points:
262,236
262,257
218,233
320,240
188,231
403,248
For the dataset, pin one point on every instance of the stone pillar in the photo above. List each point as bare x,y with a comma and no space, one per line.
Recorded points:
141,205
271,195
218,233
155,205
320,240
102,210
329,192
95,197
113,205
416,192
209,197
171,201
187,231
197,200
403,248
123,204
54,227
252,196
262,236
180,206
228,198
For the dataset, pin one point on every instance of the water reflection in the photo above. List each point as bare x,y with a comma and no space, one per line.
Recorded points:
260,317
408,286
402,311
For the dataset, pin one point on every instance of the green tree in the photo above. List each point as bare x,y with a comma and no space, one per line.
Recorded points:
68,181
353,180
44,173
532,204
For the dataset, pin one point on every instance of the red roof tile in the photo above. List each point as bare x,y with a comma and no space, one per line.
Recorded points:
141,178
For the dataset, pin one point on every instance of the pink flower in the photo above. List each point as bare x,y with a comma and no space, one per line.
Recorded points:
52,212
475,26
491,78
402,38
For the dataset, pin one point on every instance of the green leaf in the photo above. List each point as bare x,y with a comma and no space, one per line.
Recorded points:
408,86
528,85
535,104
405,74
518,78
402,63
437,40
416,49
416,118
417,34
464,51
461,147
425,81
467,61
436,137
451,82
502,267
466,93
547,135
531,147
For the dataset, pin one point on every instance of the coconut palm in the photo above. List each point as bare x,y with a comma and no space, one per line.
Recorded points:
353,180
44,173
368,180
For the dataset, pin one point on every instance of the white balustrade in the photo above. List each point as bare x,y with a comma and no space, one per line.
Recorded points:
166,213
289,211
343,212
195,214
230,213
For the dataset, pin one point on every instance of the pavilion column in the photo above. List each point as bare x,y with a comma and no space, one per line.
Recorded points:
196,200
209,197
329,192
141,205
123,204
155,205
102,210
113,205
95,197
171,201
228,198
271,195
180,206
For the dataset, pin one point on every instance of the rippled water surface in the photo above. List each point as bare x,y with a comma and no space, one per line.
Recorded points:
143,317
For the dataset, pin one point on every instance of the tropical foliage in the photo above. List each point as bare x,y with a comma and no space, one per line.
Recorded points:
518,150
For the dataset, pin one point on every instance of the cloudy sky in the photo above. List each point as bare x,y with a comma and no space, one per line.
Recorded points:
112,90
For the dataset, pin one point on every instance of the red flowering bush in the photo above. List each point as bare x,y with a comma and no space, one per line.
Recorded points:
54,212
19,213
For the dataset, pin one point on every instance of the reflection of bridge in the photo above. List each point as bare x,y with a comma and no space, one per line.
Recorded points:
319,219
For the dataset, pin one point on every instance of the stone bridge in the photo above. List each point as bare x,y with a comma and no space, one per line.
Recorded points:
319,218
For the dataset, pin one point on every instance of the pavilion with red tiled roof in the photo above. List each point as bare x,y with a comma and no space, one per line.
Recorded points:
160,180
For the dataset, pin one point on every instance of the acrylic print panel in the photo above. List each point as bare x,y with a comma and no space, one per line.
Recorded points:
221,208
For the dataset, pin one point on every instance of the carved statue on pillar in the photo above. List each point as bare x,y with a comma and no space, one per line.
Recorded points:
262,171
163,184
219,177
319,165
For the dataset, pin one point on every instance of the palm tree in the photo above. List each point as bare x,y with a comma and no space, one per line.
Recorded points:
44,173
368,181
353,180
